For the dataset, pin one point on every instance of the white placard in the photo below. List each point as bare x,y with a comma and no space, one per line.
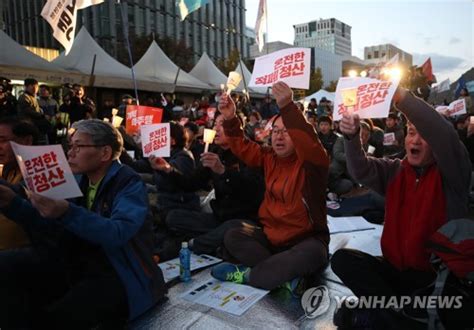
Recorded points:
389,139
348,224
228,297
455,108
46,171
156,140
291,65
372,97
170,268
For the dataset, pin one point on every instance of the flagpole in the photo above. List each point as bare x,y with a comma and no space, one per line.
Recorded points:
125,35
266,27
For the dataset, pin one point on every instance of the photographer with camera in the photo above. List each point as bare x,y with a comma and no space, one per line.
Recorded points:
8,102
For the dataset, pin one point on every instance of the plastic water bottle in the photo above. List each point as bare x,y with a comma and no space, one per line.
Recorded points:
185,262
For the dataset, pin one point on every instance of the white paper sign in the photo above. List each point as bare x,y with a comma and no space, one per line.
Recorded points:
369,98
46,171
290,65
389,139
228,297
170,268
348,224
156,140
455,108
62,15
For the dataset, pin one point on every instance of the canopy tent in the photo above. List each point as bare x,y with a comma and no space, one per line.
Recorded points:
108,72
156,66
206,71
319,95
16,62
245,73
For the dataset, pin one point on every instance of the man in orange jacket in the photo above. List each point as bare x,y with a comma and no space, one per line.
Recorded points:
293,239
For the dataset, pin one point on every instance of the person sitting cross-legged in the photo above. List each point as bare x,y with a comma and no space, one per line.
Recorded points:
94,266
292,241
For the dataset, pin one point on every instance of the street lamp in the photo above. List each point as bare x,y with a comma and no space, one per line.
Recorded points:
352,73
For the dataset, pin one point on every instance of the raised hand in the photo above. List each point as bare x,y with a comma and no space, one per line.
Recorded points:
282,93
227,106
349,124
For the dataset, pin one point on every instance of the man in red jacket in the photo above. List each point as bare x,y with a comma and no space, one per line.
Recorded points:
424,190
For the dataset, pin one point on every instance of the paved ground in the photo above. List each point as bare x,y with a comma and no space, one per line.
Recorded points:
278,310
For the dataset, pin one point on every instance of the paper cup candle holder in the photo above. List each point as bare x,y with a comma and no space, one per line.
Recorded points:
209,135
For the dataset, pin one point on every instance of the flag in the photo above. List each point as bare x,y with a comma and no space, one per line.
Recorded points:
260,25
428,70
443,86
461,84
186,7
62,15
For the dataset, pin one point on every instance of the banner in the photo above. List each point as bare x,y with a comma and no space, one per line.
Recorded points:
62,15
186,7
138,115
455,108
46,171
442,86
389,139
156,140
260,24
369,98
290,65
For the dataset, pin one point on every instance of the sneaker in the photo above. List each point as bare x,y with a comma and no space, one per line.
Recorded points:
231,273
295,287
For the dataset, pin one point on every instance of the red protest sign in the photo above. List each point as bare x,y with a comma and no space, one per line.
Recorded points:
138,115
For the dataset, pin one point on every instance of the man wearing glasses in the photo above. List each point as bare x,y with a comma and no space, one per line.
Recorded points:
99,271
292,242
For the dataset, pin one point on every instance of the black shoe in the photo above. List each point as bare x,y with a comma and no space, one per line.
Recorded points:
347,318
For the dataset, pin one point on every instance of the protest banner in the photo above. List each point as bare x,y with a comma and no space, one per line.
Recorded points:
369,98
156,140
455,108
389,139
62,16
138,115
291,66
46,171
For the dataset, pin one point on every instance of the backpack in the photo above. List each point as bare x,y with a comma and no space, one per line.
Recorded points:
452,249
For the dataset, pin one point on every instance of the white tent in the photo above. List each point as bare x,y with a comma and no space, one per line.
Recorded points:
319,95
16,62
156,66
108,72
245,73
206,71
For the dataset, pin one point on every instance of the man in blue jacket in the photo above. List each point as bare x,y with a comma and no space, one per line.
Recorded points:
97,268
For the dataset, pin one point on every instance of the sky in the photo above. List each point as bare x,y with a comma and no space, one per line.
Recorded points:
440,29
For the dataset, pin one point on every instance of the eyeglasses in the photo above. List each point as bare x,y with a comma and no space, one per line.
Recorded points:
76,148
276,131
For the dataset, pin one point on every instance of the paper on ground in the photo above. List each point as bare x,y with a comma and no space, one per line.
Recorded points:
227,297
348,224
171,268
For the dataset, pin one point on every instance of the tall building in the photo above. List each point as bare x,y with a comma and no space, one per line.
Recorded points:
382,53
215,28
330,34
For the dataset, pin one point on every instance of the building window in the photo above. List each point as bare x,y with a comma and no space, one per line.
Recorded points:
369,56
376,54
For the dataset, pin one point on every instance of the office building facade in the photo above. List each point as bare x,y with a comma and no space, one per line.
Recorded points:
215,28
382,53
330,34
